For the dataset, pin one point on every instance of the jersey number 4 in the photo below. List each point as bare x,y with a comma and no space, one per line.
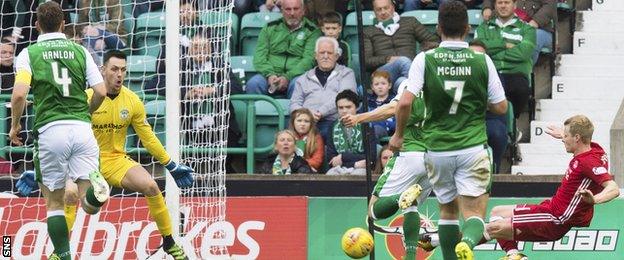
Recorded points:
459,90
64,80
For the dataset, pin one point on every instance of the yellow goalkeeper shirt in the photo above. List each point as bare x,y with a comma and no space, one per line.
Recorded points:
110,125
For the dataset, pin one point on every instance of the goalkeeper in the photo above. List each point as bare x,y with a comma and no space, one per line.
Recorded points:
120,109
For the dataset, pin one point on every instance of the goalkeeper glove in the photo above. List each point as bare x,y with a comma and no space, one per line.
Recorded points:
26,183
182,174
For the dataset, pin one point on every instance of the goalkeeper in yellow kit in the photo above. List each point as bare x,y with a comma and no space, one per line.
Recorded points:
120,109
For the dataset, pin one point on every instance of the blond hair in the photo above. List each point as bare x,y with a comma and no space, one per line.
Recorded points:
285,131
582,126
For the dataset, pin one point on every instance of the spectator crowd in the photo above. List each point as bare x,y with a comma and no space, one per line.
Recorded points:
303,57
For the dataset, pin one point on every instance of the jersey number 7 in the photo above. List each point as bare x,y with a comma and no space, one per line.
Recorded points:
459,89
64,80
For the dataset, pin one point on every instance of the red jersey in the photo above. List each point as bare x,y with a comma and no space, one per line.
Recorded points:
588,170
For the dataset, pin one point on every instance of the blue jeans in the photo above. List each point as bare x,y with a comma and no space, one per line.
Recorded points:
258,84
399,70
543,39
497,137
325,127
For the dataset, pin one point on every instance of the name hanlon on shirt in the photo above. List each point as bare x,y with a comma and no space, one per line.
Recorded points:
455,71
55,55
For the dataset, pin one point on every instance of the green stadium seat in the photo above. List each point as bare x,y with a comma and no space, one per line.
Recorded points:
429,18
474,20
267,122
349,31
218,22
251,25
150,31
240,109
141,69
155,111
141,65
242,66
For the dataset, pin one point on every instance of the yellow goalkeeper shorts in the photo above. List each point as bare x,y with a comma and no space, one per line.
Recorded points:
114,168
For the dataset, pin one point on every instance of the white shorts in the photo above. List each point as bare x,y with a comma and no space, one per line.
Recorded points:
66,149
400,173
465,172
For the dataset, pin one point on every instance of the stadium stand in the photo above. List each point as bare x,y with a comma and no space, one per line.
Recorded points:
586,83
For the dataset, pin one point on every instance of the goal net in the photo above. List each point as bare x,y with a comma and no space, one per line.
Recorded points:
185,90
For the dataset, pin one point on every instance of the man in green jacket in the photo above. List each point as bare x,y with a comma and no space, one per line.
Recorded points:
510,43
284,51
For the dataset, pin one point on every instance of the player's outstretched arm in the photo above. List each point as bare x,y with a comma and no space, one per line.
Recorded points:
555,131
381,113
99,93
182,174
26,183
610,191
403,111
18,103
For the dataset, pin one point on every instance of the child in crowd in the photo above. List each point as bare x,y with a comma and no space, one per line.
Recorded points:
331,25
308,139
381,95
285,161
345,150
384,155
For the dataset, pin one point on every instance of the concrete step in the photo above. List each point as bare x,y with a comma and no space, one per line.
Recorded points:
564,87
559,109
602,27
590,60
531,159
604,16
542,149
607,5
595,115
589,70
598,43
539,135
538,170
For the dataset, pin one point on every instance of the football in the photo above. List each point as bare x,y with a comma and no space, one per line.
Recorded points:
357,243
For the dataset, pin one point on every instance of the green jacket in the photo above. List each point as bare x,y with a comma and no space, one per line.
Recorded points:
512,60
284,53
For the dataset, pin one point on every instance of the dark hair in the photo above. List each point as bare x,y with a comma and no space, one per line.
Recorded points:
50,16
6,40
114,53
73,30
331,17
349,95
453,19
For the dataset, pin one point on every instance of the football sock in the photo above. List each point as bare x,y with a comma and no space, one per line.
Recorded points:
473,231
385,207
168,242
70,215
448,229
158,211
91,199
57,230
507,245
411,226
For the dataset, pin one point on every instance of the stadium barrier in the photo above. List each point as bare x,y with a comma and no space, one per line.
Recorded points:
283,228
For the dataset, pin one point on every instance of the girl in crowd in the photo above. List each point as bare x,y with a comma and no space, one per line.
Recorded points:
308,139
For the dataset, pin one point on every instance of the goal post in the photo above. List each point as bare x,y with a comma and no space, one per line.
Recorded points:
192,128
